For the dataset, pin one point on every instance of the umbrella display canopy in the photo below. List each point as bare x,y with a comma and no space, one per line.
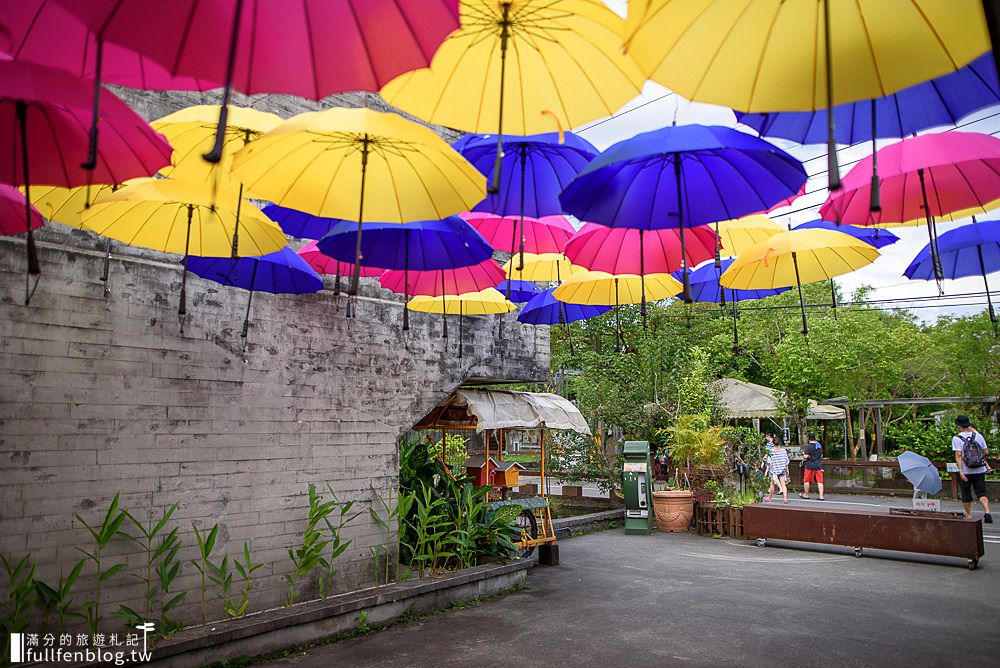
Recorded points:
12,208
482,302
797,257
42,111
969,250
873,236
546,309
922,177
547,234
736,236
300,224
940,102
280,272
313,49
543,267
358,164
683,176
178,217
921,473
737,54
534,169
521,67
324,264
422,246
518,292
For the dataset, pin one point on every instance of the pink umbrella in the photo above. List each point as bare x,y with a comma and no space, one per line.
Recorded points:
547,234
921,177
12,212
311,48
324,264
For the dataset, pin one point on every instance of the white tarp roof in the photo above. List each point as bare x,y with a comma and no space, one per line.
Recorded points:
740,399
494,409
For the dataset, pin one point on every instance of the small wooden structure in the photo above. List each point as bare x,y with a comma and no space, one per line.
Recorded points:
481,469
508,474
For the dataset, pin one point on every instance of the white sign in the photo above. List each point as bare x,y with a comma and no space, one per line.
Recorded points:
933,505
635,467
952,467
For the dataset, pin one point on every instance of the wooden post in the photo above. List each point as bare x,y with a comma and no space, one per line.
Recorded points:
879,435
863,443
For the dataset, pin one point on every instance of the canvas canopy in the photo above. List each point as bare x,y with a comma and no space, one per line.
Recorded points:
495,409
740,399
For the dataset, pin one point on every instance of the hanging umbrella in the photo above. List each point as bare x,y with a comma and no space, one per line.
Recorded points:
311,48
545,309
41,114
300,224
518,292
12,207
921,473
522,66
419,246
541,267
280,272
682,176
872,236
547,234
798,257
177,217
801,55
192,131
324,264
357,164
922,177
735,236
484,302
969,250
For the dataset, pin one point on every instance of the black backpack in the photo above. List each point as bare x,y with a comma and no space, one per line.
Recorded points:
973,454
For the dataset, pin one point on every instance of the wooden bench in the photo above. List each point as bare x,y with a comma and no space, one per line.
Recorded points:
925,533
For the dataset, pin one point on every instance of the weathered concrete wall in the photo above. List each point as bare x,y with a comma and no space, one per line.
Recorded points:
103,394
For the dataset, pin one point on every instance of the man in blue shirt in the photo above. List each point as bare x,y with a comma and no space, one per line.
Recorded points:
812,465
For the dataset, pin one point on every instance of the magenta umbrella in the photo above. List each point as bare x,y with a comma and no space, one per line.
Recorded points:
324,264
43,113
12,205
927,176
547,234
310,48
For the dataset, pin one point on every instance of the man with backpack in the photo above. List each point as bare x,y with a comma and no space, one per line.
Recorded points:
970,455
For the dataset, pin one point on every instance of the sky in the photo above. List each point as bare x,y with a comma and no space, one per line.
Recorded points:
656,107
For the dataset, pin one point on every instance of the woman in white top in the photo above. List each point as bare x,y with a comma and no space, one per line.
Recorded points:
777,462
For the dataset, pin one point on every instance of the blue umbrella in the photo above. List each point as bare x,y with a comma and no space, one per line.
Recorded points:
681,176
921,473
300,224
534,170
545,309
421,246
872,236
969,250
519,291
280,272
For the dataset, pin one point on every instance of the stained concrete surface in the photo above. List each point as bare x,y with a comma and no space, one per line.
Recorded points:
668,600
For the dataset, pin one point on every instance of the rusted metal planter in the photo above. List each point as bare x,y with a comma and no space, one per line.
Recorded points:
942,535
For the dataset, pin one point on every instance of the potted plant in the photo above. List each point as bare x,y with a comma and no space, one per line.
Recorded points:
693,443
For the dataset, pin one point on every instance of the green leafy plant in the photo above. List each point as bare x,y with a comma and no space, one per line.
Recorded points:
56,600
238,607
209,572
309,555
362,622
102,535
429,532
694,443
20,596
337,544
168,567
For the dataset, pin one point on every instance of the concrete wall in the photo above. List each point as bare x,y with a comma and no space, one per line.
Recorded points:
100,394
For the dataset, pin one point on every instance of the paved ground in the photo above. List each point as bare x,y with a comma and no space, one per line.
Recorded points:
665,600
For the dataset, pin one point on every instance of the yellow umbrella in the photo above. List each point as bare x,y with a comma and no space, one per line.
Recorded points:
522,67
358,164
179,217
541,267
736,236
801,55
797,257
484,302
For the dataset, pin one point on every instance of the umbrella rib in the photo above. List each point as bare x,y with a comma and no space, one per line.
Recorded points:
871,50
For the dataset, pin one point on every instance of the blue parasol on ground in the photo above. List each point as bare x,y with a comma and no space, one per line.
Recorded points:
921,473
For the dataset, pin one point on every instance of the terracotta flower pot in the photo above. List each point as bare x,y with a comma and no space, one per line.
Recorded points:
673,510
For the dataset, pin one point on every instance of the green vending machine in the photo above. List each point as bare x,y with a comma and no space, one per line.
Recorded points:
637,487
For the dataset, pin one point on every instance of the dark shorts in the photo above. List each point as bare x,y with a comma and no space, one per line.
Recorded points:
976,482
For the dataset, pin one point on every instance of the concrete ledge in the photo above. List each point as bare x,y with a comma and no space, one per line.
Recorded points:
566,525
282,628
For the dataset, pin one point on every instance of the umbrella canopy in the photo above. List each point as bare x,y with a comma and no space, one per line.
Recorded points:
548,234
541,267
736,236
324,264
682,176
545,309
939,102
177,217
603,289
64,205
872,236
484,302
300,224
518,291
12,207
705,285
630,251
358,164
438,282
534,170
798,257
280,272
921,473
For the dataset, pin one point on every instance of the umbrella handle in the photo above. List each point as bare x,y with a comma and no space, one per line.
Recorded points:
505,23
875,205
832,165
34,268
215,155
91,163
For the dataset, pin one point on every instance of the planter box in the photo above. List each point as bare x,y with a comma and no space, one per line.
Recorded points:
709,519
571,490
734,523
283,628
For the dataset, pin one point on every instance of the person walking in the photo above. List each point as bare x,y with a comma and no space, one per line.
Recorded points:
777,462
970,455
812,465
